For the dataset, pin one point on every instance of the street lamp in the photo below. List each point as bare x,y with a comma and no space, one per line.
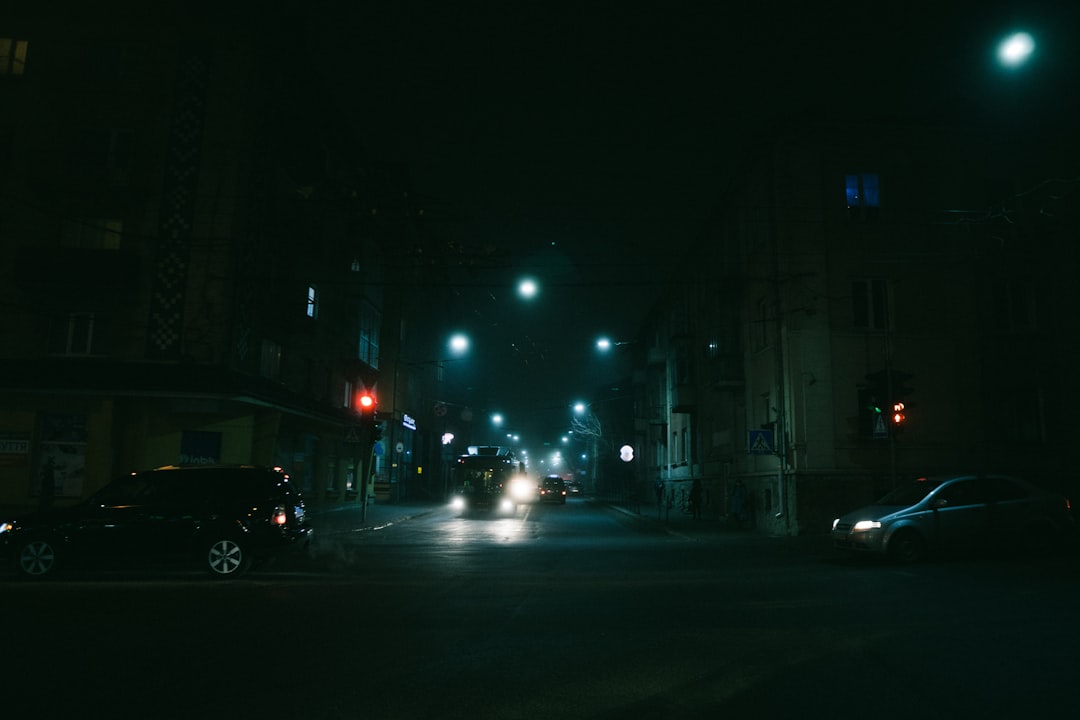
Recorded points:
605,344
528,288
1016,49
459,344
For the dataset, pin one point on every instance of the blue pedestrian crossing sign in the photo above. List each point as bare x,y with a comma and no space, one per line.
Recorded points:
760,442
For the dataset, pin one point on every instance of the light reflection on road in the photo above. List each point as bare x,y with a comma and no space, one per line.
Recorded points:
473,528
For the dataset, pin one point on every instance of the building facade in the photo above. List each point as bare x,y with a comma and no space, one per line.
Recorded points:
194,267
850,270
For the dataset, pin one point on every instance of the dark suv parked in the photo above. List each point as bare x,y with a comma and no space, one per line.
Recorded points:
221,517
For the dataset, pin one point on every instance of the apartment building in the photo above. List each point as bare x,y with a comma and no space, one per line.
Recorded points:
849,270
193,271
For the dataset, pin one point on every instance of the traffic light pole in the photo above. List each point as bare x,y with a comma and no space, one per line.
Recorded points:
889,386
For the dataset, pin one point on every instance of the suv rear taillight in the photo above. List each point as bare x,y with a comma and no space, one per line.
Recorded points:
280,517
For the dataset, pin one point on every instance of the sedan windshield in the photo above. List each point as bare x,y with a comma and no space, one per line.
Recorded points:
911,493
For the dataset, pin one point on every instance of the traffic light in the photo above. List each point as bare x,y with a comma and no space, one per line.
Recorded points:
369,417
883,402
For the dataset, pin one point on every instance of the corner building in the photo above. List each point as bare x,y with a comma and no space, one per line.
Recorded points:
841,256
191,269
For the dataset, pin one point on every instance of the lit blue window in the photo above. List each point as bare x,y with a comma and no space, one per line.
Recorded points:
862,190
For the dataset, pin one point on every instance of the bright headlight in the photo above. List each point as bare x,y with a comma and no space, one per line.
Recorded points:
866,525
522,489
457,502
506,505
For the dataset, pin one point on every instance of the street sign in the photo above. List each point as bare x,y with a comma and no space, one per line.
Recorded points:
352,435
760,442
880,431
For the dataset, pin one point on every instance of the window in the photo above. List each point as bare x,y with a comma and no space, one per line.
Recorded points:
869,304
684,369
77,333
312,301
13,56
370,323
270,360
347,400
103,154
863,196
93,233
761,332
962,494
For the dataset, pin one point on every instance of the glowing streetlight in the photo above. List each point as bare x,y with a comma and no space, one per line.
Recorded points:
605,344
528,288
497,419
459,344
1015,50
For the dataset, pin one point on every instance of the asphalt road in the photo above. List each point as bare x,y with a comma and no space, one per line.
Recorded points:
573,611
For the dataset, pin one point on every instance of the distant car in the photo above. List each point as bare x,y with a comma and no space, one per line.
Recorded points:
957,512
222,518
573,487
553,490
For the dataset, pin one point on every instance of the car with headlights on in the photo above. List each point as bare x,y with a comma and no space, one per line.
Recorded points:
220,518
956,512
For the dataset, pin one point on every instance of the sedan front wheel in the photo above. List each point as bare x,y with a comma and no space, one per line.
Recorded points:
907,547
37,558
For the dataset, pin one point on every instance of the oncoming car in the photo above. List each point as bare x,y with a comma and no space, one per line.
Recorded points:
222,518
956,512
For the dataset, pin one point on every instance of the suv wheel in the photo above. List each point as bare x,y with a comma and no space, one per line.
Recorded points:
226,557
37,558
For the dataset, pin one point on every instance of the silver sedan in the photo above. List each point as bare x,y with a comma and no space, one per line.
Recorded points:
956,512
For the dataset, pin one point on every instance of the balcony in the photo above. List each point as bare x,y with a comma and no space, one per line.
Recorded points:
684,398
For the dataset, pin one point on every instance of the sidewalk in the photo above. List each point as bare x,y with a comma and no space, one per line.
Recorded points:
708,527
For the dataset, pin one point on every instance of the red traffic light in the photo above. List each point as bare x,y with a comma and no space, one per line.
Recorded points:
366,401
898,413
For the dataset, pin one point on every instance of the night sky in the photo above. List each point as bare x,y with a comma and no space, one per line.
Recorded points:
583,144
